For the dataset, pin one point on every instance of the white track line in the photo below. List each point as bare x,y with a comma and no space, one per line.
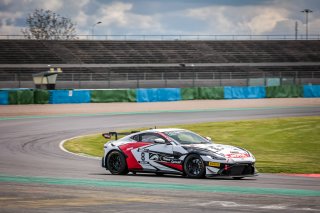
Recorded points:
77,154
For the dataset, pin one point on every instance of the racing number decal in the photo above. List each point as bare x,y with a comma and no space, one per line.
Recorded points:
127,149
143,156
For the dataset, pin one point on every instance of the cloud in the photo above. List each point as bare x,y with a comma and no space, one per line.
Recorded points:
120,16
266,20
235,20
50,5
169,17
7,23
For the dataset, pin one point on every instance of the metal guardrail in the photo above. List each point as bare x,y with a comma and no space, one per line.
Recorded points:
249,78
183,37
146,76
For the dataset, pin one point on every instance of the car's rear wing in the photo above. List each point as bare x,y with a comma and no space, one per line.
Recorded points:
109,135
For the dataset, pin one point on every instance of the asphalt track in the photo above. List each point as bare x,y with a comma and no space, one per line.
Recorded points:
37,176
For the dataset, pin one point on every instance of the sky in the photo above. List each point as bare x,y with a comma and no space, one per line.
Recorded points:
169,17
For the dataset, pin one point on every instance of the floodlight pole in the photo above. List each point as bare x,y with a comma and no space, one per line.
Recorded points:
296,30
92,29
307,11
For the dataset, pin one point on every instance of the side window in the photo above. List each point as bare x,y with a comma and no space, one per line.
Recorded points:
135,138
149,137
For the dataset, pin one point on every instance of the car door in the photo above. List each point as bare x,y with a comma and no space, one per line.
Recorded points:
160,153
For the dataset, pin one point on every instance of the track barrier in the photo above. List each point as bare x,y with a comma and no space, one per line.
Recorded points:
200,93
21,97
244,92
210,93
189,93
287,91
158,94
69,96
311,91
4,98
29,96
41,96
106,96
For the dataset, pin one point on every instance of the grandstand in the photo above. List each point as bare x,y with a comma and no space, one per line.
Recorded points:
176,63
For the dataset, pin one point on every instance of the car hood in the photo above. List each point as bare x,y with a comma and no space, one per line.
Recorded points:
226,151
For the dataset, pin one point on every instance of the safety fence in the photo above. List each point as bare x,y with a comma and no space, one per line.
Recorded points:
27,96
167,79
164,37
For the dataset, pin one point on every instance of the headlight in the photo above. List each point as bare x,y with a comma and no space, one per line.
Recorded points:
251,155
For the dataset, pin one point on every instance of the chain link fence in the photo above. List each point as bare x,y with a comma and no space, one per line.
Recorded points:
167,79
184,37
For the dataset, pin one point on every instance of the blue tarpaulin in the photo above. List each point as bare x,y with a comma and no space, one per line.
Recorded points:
69,96
169,94
244,92
4,98
311,91
161,94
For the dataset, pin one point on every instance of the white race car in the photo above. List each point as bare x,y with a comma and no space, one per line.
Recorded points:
175,151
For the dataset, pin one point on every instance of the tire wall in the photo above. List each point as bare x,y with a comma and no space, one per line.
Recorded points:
69,96
158,94
244,92
28,96
288,91
189,93
105,96
311,91
41,96
21,97
4,97
200,93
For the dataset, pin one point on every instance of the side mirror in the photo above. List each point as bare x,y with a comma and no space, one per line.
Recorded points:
160,140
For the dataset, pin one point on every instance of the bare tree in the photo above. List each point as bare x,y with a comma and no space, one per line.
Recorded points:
47,25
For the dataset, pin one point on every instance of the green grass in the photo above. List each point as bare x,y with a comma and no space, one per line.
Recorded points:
281,145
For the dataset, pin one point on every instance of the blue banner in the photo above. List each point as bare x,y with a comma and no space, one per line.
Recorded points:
158,94
311,91
244,92
69,96
4,98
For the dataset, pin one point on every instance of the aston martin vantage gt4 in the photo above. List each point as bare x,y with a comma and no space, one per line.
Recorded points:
175,151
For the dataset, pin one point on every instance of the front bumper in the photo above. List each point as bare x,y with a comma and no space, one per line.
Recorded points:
232,170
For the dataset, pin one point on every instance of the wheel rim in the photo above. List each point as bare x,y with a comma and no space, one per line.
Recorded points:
115,162
194,166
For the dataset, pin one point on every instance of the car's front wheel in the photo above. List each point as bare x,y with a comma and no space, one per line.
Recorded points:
194,166
116,163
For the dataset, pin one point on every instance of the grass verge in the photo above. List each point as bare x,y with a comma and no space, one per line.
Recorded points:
280,145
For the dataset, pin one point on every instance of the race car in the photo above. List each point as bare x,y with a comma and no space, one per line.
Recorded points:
175,151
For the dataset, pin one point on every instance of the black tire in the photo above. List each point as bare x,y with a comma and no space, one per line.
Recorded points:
194,167
238,178
116,163
159,174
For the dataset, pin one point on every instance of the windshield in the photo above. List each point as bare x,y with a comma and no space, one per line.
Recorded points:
186,137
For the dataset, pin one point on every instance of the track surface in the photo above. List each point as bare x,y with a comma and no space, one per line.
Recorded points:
36,176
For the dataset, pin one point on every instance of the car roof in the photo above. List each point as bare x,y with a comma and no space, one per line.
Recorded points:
164,130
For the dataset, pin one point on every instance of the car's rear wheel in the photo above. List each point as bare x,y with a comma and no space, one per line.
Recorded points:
116,163
194,166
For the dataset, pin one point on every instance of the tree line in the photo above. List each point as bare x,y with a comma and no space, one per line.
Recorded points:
48,25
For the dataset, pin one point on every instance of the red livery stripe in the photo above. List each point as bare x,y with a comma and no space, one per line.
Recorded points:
172,165
132,163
